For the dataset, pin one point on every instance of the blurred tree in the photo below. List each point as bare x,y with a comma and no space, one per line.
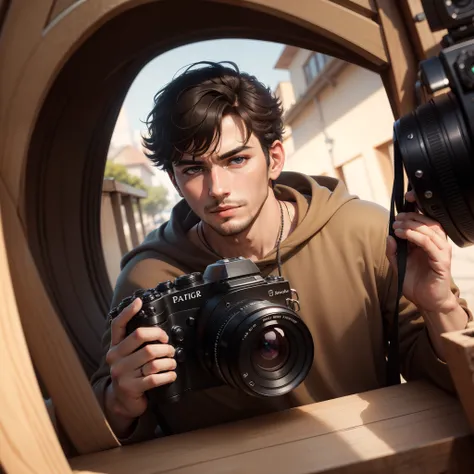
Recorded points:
119,173
157,199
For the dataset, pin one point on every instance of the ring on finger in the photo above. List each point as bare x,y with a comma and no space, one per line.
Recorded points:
141,371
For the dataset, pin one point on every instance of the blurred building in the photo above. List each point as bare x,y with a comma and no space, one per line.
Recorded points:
339,123
126,149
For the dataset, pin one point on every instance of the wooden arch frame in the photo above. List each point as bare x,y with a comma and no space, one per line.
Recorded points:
55,94
61,216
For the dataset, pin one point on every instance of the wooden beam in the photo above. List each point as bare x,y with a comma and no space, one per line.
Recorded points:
459,348
132,225
400,77
412,427
362,7
116,201
340,24
111,185
425,42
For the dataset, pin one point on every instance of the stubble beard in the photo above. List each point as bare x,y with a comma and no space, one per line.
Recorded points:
238,228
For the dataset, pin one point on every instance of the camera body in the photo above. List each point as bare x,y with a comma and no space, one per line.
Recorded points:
226,325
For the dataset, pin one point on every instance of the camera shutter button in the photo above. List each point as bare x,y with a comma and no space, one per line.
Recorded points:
177,333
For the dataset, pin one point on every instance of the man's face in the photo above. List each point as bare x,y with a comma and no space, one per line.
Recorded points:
228,188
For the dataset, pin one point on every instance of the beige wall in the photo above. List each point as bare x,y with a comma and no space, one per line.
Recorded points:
355,114
296,72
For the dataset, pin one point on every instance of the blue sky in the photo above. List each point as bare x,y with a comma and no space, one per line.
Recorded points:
252,56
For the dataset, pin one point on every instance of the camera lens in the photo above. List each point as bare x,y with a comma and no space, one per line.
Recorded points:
271,349
260,347
436,150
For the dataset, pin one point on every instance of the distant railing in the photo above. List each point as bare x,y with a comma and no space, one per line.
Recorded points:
122,222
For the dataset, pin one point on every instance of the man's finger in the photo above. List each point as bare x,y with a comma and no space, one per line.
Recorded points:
141,336
410,196
423,241
424,229
119,323
416,216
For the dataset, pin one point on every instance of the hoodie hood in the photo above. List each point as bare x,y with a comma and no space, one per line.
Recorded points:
317,200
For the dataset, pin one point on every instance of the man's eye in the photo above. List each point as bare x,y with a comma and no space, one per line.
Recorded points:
237,160
192,170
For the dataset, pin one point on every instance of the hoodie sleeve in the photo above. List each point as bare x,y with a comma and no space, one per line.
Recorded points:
143,272
417,356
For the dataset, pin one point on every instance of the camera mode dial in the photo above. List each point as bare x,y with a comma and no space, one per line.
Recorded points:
465,67
184,281
164,286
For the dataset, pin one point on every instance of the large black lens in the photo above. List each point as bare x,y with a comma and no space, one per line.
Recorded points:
271,350
263,348
437,154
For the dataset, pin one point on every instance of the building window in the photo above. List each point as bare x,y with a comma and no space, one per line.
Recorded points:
314,65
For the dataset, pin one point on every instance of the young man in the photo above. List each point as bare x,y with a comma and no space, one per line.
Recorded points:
217,132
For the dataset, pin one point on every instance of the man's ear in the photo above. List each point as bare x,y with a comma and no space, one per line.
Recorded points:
173,180
276,157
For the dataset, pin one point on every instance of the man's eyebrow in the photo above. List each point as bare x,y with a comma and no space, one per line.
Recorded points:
233,152
227,154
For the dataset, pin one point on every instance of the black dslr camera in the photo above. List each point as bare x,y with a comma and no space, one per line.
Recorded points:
434,144
228,325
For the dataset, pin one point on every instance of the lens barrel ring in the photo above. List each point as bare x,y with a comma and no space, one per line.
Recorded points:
415,157
438,152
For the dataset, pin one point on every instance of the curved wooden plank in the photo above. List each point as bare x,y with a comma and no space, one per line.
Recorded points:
28,443
340,24
364,7
54,357
59,7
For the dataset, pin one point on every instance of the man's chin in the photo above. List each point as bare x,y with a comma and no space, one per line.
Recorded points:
230,228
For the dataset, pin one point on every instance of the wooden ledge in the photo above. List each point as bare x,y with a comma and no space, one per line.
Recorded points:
459,350
410,426
110,185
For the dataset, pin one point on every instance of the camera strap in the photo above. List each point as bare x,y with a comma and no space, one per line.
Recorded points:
397,202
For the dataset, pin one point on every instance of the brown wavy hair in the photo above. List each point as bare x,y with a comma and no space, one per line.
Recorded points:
188,112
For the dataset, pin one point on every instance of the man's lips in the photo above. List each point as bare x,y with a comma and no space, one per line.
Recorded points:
219,209
225,211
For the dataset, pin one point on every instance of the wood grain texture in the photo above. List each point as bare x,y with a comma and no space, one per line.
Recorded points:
399,80
459,347
340,24
362,7
58,7
425,42
28,443
54,357
387,428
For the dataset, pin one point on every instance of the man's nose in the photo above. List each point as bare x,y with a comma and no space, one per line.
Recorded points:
219,183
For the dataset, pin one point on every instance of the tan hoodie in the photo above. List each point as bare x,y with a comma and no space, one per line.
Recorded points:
335,259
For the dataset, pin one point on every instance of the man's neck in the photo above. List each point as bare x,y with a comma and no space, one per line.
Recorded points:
256,241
